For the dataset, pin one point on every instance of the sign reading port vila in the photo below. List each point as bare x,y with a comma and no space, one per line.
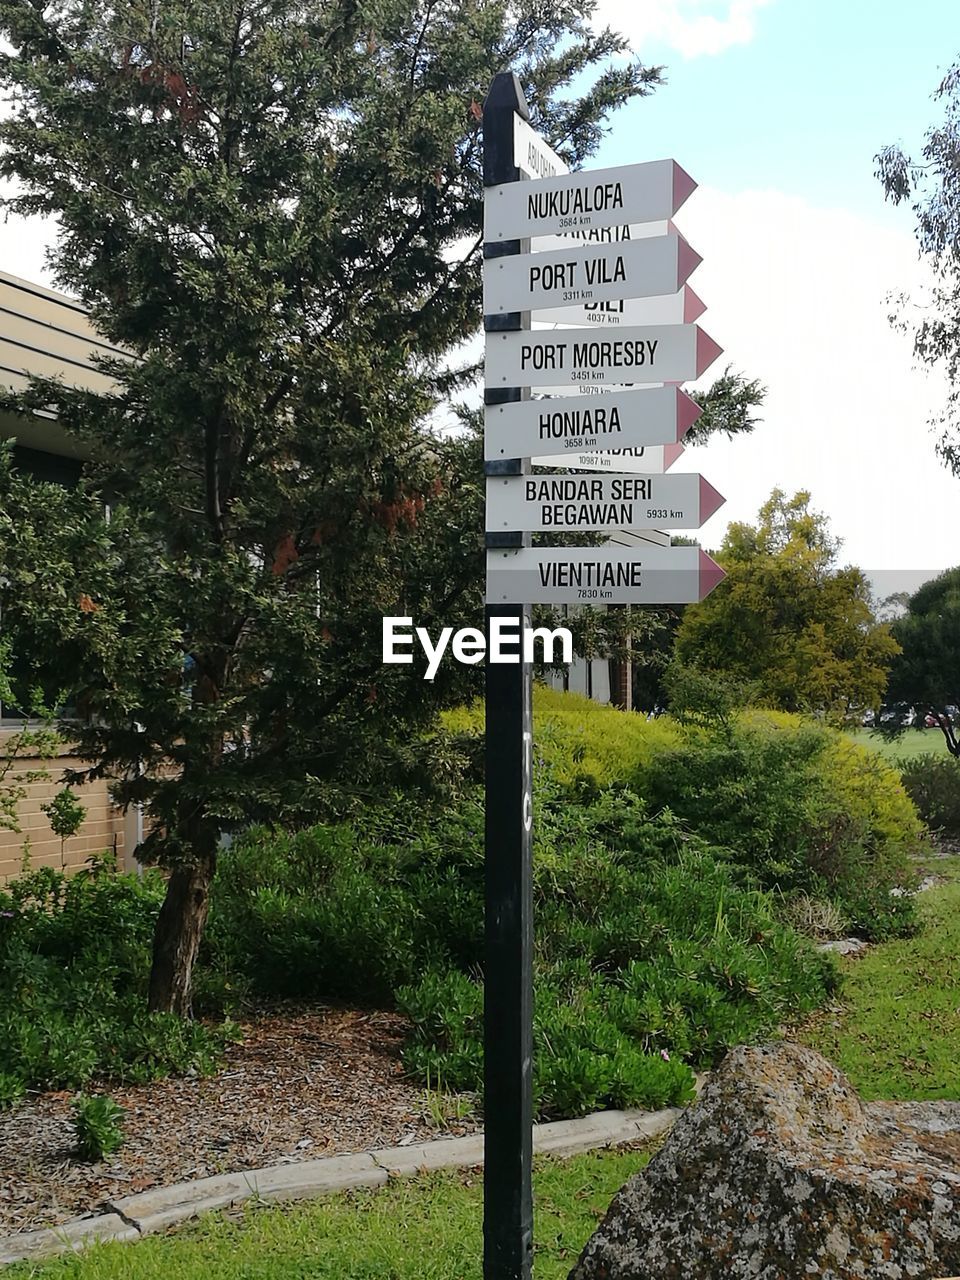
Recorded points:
601,575
549,503
565,357
568,277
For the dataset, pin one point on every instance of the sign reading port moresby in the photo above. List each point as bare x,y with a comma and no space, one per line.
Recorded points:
602,502
568,424
597,273
601,575
578,201
564,357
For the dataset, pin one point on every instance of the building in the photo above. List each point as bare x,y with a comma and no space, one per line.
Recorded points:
44,332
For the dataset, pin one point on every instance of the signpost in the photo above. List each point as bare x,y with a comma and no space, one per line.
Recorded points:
602,575
564,357
596,273
617,419
599,502
508,866
596,248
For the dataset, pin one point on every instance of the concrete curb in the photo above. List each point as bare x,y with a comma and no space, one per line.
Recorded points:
132,1217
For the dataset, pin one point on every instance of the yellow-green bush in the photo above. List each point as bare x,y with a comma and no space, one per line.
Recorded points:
574,737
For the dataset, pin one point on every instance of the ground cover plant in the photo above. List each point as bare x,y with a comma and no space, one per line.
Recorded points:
74,960
895,1030
412,1229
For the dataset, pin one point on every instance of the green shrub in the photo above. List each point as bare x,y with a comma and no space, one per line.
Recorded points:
98,1124
932,781
74,964
801,806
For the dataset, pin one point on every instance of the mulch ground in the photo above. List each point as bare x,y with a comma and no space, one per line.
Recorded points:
304,1083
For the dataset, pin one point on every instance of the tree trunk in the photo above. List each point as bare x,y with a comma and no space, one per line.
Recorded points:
176,939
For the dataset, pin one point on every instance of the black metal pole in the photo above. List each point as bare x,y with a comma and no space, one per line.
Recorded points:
508,971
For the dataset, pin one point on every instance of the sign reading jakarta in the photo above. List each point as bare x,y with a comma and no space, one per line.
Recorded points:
577,201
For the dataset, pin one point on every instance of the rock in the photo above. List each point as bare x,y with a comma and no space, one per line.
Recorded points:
780,1172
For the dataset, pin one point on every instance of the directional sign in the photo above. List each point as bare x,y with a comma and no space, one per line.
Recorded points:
552,503
569,425
602,235
533,156
578,201
650,459
601,575
648,353
683,307
598,273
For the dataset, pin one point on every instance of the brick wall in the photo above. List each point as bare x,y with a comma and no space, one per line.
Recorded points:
104,826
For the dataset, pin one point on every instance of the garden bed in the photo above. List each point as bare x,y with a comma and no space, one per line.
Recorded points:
306,1081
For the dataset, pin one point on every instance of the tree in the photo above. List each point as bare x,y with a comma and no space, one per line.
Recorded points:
787,622
275,209
926,673
932,187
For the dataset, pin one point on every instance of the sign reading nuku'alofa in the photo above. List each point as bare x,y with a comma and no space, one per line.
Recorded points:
649,459
571,425
552,503
568,277
601,575
647,353
580,201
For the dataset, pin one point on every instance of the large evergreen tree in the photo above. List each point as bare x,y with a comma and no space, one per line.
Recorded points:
274,207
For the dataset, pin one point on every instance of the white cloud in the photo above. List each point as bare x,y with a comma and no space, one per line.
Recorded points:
797,296
693,28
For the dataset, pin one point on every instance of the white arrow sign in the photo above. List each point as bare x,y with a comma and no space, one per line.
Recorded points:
566,277
533,156
572,425
580,201
602,235
644,459
551,503
601,575
648,353
683,307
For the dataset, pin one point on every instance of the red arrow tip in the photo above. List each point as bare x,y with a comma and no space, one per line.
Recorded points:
711,575
687,413
671,452
687,261
683,186
710,500
693,307
707,351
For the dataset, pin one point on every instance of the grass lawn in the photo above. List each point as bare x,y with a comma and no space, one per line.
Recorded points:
913,742
896,1031
427,1228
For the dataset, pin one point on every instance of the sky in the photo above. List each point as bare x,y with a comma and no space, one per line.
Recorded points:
777,108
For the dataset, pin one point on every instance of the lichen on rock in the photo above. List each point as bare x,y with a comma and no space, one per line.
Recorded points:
780,1172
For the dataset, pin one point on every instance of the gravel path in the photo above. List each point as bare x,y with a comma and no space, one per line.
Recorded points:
305,1082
